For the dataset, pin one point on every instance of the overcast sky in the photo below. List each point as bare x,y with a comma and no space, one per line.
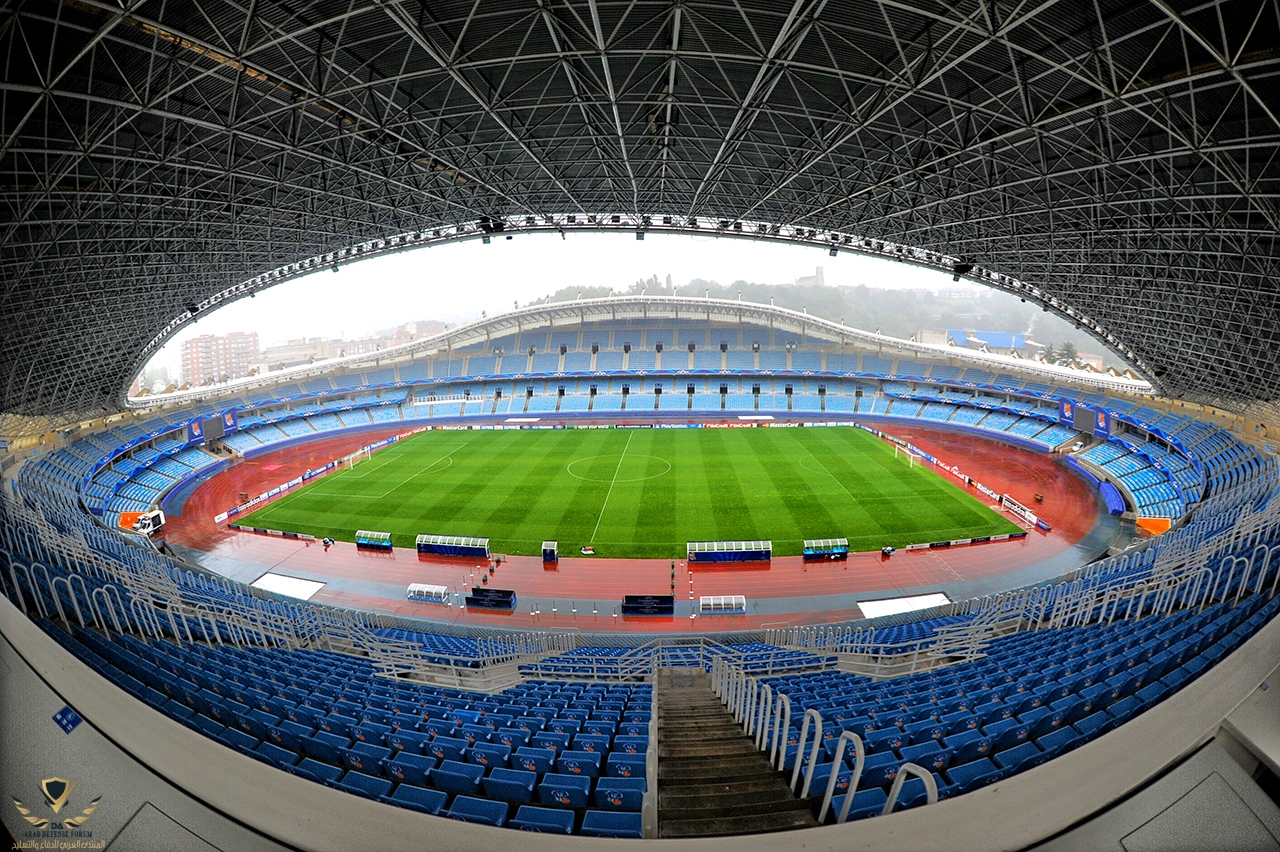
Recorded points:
456,281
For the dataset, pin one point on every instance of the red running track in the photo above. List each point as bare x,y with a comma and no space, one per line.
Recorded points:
1069,506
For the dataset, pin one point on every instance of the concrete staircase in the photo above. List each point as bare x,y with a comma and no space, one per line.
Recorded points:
711,779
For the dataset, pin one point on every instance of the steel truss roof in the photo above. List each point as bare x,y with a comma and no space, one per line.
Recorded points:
1117,162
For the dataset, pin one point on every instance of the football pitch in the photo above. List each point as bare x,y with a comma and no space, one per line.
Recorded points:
637,492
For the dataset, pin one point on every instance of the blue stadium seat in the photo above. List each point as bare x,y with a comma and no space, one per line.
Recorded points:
623,794
511,785
551,741
544,820
821,776
288,734
483,811
539,760
881,775
564,726
601,726
273,754
363,757
408,741
372,733
968,746
866,803
336,723
475,733
317,771
456,777
611,824
447,748
1011,736
406,766
630,744
579,763
591,742
928,754
1019,758
490,754
625,765
514,737
418,798
364,785
324,746
438,728
972,775
1060,741
564,791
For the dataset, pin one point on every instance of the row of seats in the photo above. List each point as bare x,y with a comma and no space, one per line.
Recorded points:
1035,695
570,764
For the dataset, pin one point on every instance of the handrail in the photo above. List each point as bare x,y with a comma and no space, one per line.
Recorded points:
762,716
749,705
17,587
930,786
75,605
813,715
88,597
52,592
781,724
649,807
106,605
859,763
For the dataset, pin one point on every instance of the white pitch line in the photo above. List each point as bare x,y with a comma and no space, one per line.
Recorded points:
609,494
445,457
833,476
389,458
427,468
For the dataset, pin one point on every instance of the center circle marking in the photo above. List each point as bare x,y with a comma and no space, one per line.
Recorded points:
610,478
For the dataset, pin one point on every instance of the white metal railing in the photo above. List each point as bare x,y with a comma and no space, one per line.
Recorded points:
930,786
766,715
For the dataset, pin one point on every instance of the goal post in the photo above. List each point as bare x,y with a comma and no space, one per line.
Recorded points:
357,457
911,457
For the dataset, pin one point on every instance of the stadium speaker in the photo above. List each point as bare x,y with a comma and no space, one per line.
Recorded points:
692,346
657,347
626,347
563,349
724,347
595,347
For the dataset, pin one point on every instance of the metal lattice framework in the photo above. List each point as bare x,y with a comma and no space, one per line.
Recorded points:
1114,161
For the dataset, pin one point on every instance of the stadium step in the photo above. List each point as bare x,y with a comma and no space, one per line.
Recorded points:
711,779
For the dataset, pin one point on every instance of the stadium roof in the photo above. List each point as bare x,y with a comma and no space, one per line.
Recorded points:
1116,162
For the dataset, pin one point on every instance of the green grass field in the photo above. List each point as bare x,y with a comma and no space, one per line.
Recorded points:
637,492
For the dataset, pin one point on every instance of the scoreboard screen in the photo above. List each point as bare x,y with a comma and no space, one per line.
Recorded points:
1082,420
212,428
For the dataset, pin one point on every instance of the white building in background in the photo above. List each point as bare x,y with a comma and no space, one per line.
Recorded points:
817,279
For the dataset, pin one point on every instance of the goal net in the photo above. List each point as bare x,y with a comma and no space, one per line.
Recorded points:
357,457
